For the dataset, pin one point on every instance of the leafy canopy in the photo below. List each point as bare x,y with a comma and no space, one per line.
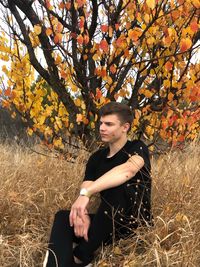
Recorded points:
87,53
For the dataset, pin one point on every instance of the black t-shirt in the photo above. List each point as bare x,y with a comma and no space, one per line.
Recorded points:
99,163
138,188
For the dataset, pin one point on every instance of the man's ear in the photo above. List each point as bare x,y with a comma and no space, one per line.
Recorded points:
126,126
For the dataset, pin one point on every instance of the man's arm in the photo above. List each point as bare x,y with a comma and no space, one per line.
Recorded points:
115,177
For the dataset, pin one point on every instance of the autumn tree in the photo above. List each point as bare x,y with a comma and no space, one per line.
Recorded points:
89,52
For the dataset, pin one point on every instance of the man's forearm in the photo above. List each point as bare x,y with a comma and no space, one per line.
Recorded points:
116,176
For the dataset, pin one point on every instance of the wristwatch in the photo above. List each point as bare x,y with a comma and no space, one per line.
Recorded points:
85,192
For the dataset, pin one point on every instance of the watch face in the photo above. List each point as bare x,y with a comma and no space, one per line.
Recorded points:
83,192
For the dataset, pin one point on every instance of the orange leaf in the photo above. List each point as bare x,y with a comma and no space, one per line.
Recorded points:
59,27
81,22
185,44
58,38
126,53
5,103
116,26
104,28
86,39
113,69
80,3
79,117
104,45
103,72
68,5
181,138
48,31
170,96
62,5
175,14
168,66
80,39
85,57
194,26
7,92
134,34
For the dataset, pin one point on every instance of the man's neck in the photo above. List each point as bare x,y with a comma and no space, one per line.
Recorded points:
115,147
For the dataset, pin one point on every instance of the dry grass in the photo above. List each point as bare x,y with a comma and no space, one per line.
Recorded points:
34,187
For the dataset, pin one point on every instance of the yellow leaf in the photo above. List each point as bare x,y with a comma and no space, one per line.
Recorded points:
92,125
58,142
83,106
41,120
196,3
95,57
58,60
149,130
166,83
37,29
148,93
30,131
151,3
77,102
146,18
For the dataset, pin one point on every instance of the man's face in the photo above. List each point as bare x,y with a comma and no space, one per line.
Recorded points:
111,128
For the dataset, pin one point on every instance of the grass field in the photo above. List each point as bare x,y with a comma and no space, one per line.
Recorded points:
33,187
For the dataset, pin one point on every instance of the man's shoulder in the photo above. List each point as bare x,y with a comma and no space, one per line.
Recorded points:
137,144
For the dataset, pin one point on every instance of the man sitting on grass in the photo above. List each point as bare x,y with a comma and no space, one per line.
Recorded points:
121,173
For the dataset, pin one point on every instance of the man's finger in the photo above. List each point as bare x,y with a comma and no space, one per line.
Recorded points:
72,217
85,234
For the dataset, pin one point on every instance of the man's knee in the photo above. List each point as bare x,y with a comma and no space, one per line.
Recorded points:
62,216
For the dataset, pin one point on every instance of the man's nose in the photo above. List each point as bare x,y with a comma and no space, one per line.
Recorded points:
102,127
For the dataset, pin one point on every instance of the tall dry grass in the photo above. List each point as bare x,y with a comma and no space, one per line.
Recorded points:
33,187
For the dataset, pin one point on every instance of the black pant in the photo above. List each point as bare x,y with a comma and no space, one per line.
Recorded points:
110,222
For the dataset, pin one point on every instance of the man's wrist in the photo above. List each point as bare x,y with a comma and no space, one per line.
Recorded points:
85,192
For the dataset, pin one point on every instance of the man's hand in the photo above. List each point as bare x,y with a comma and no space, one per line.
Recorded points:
79,209
81,227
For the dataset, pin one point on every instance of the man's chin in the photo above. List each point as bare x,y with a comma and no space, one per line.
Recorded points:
104,139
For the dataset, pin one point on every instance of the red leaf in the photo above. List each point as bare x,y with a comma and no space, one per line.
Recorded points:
98,94
194,26
112,69
73,35
104,28
104,45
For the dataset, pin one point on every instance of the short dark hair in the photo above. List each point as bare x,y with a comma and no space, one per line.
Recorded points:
123,111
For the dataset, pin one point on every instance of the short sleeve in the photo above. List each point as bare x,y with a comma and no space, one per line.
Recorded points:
139,148
90,170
